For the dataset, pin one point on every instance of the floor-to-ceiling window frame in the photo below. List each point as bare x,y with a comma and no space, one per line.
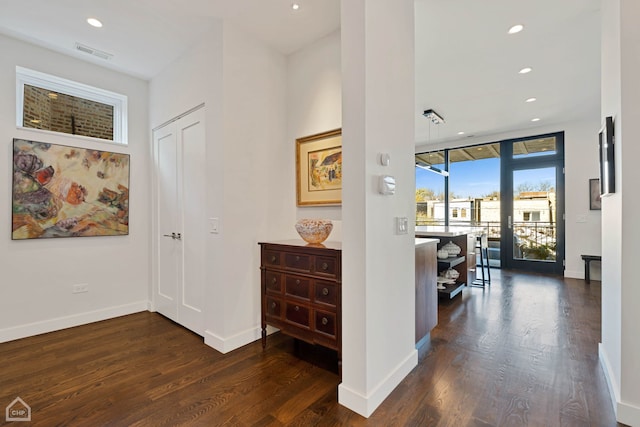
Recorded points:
512,190
532,203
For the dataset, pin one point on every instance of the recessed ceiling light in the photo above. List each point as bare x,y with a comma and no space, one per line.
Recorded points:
94,22
531,99
525,70
35,121
537,119
295,6
460,133
53,95
516,29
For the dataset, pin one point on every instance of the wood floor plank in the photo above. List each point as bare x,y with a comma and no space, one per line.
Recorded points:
522,352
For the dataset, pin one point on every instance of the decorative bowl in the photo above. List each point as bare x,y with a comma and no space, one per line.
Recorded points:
452,248
443,254
451,273
314,230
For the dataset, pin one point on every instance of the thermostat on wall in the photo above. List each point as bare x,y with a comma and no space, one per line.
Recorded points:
387,185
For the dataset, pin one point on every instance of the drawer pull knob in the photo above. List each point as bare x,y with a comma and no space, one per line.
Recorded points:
274,280
325,291
325,320
325,266
273,305
297,258
296,308
273,258
297,281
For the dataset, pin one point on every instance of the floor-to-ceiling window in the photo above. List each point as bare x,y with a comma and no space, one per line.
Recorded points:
431,188
513,191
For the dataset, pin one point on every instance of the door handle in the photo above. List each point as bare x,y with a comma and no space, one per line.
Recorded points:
509,222
178,236
174,236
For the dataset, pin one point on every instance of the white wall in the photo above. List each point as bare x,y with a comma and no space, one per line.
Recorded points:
314,105
627,157
378,293
611,346
255,151
620,348
37,275
581,164
242,84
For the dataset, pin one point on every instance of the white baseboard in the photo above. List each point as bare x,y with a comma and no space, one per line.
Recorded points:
574,274
614,390
579,274
626,413
42,327
365,405
225,345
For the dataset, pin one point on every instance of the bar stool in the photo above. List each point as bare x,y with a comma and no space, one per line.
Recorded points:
482,243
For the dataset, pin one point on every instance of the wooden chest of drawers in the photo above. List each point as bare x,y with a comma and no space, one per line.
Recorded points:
301,291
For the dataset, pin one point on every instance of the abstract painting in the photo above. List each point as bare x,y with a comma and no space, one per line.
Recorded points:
62,191
319,169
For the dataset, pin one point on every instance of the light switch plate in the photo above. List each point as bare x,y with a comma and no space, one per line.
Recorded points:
214,225
402,225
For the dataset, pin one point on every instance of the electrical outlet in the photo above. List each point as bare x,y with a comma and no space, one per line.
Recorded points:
80,288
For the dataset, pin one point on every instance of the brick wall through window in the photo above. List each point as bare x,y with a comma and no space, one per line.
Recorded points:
54,111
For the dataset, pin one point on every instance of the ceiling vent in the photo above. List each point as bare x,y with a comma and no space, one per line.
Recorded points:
91,51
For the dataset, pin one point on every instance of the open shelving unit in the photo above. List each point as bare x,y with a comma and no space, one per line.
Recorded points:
453,289
452,261
464,263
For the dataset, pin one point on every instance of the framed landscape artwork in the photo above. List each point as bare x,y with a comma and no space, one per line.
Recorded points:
319,169
62,191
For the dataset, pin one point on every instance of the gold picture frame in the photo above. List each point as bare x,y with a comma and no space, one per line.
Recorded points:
319,169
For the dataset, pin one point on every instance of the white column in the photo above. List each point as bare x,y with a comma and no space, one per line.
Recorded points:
620,347
378,264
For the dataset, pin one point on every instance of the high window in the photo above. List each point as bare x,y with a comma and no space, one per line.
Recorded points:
53,104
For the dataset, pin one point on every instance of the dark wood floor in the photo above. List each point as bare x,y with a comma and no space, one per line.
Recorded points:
523,352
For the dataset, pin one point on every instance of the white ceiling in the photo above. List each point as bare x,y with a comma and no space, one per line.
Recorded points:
466,63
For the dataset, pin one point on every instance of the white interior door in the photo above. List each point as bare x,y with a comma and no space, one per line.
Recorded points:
192,219
181,220
167,251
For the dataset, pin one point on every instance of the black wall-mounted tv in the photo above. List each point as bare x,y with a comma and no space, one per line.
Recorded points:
606,146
